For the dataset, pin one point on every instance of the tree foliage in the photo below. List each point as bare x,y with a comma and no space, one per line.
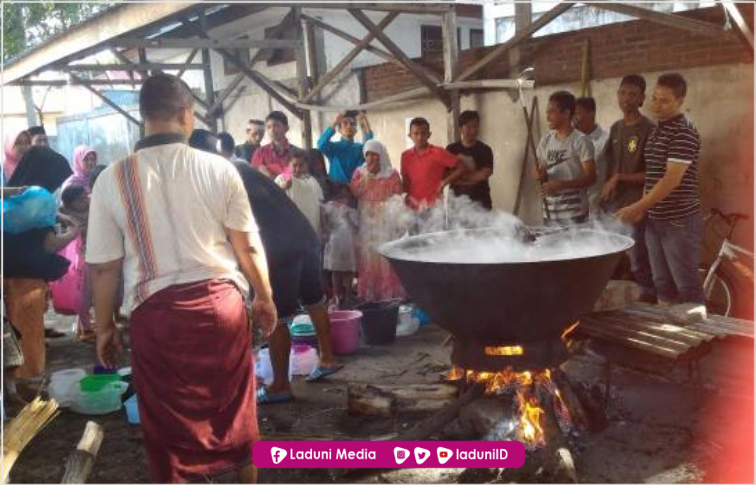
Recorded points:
26,25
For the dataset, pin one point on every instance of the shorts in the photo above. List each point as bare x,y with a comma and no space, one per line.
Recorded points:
297,282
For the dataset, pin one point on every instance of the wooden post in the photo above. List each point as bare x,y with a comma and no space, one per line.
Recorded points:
311,52
451,64
303,84
523,19
211,118
79,464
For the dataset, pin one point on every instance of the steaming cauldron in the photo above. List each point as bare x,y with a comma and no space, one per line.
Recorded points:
502,303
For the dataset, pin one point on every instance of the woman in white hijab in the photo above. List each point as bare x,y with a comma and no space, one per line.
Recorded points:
377,187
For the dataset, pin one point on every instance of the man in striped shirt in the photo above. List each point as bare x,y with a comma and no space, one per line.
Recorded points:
671,202
566,167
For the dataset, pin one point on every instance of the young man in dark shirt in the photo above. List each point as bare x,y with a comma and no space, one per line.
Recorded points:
672,202
473,183
255,134
626,173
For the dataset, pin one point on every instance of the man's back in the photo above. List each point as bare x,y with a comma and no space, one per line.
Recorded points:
165,211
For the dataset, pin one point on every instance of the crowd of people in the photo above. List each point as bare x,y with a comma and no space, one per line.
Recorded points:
198,240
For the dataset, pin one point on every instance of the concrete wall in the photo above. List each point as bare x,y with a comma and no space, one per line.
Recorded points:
720,102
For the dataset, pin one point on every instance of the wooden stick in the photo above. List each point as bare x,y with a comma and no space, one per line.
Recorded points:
425,428
570,399
385,400
79,464
607,334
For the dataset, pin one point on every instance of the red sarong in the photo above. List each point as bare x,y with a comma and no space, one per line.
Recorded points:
192,372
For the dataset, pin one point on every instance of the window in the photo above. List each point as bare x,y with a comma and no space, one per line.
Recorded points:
432,39
476,38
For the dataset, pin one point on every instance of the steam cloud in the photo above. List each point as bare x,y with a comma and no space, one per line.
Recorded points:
460,231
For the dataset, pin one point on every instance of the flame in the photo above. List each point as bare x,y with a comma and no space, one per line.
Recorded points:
455,374
525,386
569,330
507,350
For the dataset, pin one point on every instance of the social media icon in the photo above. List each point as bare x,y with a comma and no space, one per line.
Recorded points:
401,455
278,454
444,454
421,454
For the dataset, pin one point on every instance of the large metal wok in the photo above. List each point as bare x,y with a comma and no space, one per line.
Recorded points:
504,302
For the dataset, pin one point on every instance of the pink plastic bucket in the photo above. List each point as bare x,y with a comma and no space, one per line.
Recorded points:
345,331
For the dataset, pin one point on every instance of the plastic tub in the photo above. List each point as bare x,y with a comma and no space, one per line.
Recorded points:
132,409
263,367
302,332
103,401
63,386
379,321
345,331
302,360
97,382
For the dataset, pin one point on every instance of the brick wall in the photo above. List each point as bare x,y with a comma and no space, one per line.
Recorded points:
615,50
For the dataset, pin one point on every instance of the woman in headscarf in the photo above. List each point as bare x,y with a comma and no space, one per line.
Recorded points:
373,184
14,147
84,161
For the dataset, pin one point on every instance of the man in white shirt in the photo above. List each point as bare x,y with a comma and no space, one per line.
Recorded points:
585,122
177,222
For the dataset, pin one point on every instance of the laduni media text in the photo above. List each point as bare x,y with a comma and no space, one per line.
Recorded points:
330,454
497,454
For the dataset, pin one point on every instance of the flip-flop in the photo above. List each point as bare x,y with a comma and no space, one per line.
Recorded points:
265,397
320,372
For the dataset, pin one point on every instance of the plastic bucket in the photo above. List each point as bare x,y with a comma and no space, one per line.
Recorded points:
132,409
263,367
103,401
345,331
302,360
302,332
379,321
408,322
64,384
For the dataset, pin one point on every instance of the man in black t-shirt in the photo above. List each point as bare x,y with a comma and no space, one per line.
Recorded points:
474,183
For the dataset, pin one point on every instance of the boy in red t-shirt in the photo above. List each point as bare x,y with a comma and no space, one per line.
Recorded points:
424,167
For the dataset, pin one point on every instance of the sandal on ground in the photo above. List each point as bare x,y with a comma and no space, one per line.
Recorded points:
320,372
265,397
52,333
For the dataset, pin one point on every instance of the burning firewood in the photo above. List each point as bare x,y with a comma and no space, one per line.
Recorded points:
387,400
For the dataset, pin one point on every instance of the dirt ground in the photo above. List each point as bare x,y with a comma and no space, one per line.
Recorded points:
661,429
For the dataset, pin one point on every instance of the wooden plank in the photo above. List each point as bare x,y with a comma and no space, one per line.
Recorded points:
663,18
640,335
200,43
107,101
525,33
62,82
397,52
347,60
394,98
630,342
451,68
188,60
489,84
151,66
743,31
647,322
663,330
94,34
302,80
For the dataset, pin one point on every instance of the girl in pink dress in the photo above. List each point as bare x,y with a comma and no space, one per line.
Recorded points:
373,184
